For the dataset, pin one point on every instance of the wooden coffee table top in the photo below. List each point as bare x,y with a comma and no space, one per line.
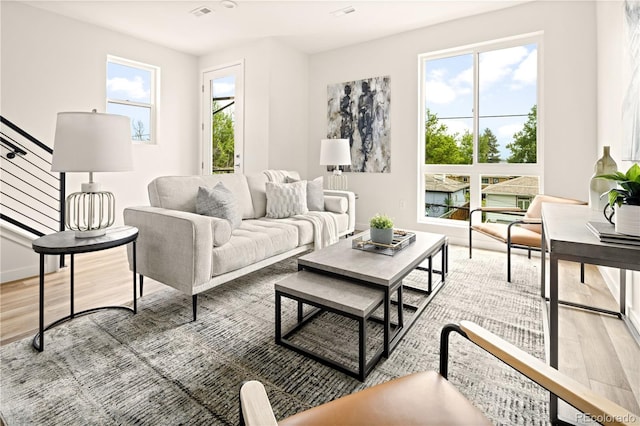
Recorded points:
373,268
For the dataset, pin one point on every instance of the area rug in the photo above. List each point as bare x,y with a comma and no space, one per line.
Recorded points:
159,368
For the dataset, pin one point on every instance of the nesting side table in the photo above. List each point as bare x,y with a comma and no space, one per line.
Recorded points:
66,243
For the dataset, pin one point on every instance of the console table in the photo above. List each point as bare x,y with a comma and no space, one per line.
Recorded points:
566,236
66,243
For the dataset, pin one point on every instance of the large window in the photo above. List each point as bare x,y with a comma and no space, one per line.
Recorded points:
480,142
131,91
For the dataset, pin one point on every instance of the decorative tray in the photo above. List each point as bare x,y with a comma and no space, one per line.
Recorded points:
401,239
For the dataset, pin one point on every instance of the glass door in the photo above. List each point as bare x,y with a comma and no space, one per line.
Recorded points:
223,146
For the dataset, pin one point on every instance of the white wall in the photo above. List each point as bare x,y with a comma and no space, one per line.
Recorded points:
62,67
613,77
568,99
276,103
50,63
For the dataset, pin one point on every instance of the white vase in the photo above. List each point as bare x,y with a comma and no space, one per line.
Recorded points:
627,219
597,187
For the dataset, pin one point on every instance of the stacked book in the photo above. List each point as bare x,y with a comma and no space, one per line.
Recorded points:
607,234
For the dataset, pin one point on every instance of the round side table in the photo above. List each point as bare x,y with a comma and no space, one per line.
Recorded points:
66,243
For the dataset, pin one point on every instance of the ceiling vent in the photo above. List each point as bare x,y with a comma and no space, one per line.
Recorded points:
201,11
344,11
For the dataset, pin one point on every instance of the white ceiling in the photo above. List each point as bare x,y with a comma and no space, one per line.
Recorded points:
306,25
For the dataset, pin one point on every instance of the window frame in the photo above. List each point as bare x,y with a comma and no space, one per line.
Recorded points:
154,92
476,170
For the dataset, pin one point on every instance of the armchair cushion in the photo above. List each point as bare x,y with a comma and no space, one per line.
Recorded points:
416,399
535,209
219,202
519,234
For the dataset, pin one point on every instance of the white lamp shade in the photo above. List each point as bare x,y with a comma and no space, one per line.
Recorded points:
92,142
335,152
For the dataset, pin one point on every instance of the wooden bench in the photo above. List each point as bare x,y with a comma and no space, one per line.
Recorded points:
334,295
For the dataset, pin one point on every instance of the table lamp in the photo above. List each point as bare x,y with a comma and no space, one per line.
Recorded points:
336,152
91,142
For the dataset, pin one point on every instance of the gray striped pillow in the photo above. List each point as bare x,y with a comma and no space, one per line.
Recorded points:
286,199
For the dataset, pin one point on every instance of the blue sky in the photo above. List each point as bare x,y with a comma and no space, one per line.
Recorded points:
130,84
507,83
224,86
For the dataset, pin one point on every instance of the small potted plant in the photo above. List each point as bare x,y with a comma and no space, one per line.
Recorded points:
625,200
381,229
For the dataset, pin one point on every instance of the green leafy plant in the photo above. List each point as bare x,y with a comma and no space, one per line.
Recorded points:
629,193
381,221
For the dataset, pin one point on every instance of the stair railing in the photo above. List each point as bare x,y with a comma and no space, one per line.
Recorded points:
32,197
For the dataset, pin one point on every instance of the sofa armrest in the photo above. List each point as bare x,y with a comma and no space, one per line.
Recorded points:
174,247
351,205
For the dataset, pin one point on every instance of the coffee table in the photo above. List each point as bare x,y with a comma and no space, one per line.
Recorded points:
385,273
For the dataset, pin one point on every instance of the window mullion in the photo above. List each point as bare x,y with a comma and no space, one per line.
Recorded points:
476,102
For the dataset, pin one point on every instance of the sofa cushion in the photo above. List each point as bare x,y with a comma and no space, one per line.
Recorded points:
252,242
315,194
219,202
180,192
286,199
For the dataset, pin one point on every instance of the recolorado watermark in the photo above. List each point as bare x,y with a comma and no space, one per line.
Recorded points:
606,418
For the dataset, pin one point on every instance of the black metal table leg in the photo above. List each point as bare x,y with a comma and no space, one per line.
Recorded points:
135,299
40,347
66,242
387,322
71,283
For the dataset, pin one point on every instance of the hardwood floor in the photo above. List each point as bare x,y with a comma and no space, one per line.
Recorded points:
101,279
596,350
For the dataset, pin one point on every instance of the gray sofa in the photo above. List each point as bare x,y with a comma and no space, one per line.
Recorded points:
193,253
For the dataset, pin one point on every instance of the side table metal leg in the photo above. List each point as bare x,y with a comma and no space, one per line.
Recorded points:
72,314
135,299
41,347
623,292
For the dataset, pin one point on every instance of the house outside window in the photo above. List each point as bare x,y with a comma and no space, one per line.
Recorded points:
132,91
479,111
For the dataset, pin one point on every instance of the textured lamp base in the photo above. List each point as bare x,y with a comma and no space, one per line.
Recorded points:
90,213
338,182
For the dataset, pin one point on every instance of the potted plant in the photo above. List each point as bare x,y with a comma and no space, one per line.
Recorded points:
381,229
625,200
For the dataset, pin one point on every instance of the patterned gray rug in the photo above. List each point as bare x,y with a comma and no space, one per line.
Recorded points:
158,368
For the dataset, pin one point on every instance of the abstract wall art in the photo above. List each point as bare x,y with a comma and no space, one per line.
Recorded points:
359,111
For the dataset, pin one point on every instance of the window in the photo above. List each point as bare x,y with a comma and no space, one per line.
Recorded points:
479,111
131,91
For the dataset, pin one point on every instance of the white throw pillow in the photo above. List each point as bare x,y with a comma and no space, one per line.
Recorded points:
286,199
315,193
